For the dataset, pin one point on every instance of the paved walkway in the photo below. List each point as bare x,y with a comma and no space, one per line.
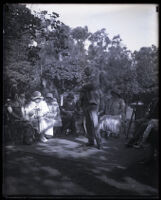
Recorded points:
65,166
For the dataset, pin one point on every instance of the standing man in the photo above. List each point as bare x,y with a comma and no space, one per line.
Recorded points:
90,100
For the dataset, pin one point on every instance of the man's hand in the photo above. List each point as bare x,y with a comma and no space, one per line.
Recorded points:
9,109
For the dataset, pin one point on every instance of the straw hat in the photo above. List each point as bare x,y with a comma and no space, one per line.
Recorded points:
36,95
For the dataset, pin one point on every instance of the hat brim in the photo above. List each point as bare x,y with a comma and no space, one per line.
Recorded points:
50,98
33,98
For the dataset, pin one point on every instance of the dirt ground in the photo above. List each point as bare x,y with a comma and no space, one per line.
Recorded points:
65,166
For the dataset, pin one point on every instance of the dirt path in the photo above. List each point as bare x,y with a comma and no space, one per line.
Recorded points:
65,166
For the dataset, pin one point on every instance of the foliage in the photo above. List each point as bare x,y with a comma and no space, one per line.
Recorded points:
147,71
38,47
147,67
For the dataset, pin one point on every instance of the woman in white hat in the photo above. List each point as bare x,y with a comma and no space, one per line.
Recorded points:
35,112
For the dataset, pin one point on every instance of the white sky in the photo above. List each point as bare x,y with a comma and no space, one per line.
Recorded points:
137,24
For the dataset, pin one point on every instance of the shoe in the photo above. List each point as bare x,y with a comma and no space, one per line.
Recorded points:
89,144
128,145
138,146
100,147
43,139
68,131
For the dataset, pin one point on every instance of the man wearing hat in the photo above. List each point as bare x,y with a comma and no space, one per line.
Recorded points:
53,118
35,112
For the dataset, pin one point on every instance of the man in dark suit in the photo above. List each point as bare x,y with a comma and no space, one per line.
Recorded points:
89,101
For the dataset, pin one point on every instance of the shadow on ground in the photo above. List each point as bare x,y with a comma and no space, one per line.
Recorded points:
65,166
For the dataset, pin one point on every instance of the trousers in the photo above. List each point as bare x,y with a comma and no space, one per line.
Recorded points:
91,118
153,124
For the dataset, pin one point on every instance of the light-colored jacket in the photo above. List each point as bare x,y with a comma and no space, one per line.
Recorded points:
36,113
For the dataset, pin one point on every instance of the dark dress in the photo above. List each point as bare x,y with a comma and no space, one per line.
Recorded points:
67,114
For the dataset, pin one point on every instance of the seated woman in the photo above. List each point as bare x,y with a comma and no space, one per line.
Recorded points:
113,119
111,125
35,112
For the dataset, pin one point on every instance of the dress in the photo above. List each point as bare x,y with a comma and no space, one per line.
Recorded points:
53,118
35,113
115,108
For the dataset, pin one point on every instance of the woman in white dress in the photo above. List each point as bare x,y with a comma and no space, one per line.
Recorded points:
35,112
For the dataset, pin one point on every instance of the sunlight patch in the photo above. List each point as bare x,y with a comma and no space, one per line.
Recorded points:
51,171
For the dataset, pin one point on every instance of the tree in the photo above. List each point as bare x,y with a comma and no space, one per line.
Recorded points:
18,29
40,52
114,62
147,71
63,65
21,29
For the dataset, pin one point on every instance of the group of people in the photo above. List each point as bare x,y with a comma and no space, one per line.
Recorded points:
41,118
98,111
41,114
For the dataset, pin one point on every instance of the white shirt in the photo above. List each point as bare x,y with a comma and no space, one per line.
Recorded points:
34,110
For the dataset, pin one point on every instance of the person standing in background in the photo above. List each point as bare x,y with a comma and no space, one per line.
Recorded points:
15,115
67,113
53,118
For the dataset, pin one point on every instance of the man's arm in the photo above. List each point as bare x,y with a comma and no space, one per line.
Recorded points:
10,110
101,106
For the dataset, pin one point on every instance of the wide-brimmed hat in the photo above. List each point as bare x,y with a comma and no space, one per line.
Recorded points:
36,95
49,95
